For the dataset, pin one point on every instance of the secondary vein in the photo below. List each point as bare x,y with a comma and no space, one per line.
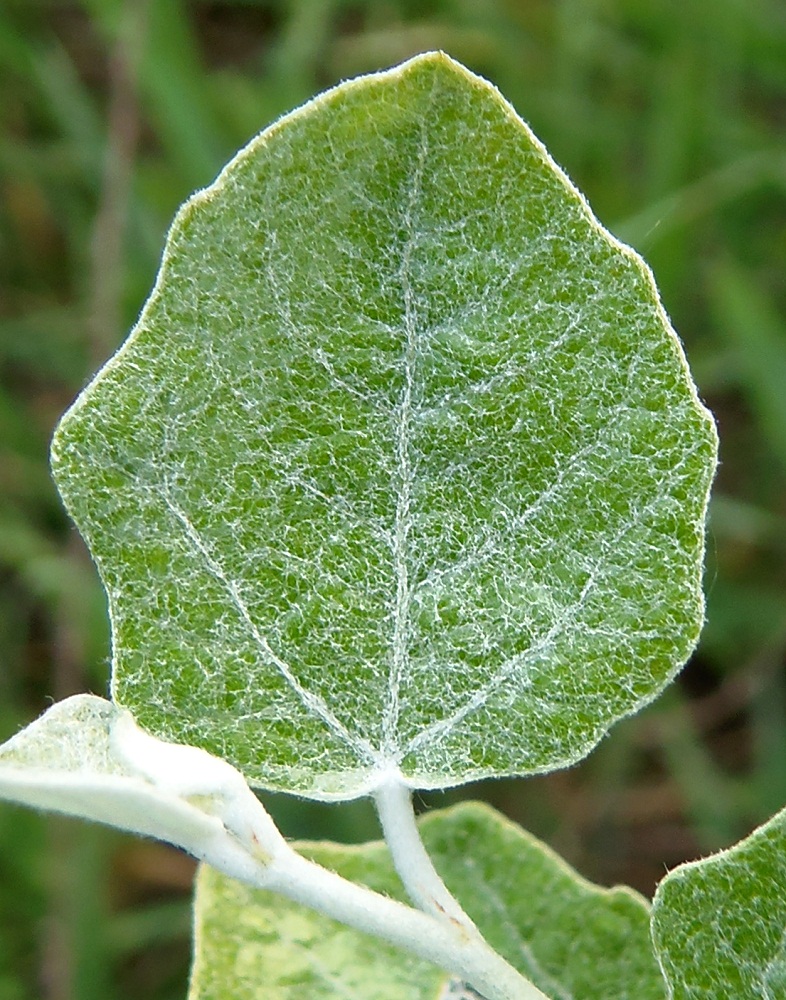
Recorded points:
519,663
313,703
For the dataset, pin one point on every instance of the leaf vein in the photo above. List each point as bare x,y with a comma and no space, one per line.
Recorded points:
313,703
403,515
439,730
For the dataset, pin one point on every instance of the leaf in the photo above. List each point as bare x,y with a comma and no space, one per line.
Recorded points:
402,465
574,940
86,757
719,925
65,761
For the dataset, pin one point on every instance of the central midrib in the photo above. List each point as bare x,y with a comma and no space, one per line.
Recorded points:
403,435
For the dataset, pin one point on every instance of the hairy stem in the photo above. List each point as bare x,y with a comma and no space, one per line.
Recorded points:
414,866
268,861
440,942
203,804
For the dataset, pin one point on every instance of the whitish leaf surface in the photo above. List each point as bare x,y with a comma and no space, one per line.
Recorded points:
573,939
402,464
719,925
66,761
86,757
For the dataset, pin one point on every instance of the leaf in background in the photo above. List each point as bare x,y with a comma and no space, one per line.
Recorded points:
719,925
573,939
402,465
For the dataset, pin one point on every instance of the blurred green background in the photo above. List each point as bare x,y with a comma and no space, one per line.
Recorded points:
670,116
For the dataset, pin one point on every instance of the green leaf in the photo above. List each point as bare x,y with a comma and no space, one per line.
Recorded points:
574,940
402,465
719,925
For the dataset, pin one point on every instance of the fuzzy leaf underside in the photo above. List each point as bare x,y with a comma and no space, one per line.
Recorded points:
67,761
719,925
574,940
402,464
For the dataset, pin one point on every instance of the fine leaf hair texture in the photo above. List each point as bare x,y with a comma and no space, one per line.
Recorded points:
401,469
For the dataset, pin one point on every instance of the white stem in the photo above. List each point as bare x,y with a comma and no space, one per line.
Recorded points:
425,887
440,942
217,817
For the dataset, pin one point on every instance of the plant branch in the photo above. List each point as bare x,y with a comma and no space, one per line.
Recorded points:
213,813
441,942
415,868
